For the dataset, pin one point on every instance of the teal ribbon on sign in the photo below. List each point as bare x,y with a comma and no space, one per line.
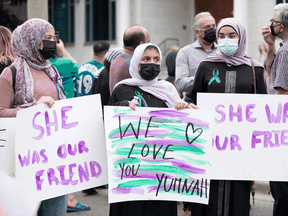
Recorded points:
215,77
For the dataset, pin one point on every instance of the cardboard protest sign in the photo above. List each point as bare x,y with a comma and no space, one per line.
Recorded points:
16,198
158,154
7,145
250,136
60,150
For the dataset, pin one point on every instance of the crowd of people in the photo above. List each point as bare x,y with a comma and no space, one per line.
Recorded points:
36,69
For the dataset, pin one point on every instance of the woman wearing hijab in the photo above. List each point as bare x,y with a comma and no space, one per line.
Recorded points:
7,55
144,90
36,82
228,71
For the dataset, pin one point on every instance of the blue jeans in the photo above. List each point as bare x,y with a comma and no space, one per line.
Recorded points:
53,207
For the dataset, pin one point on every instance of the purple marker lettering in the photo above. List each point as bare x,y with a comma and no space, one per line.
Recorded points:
276,135
237,114
38,127
39,181
267,140
254,139
64,118
51,124
285,112
221,113
218,143
60,149
283,137
35,157
248,113
234,142
71,174
93,171
271,117
72,152
52,177
82,147
61,169
83,173
45,158
25,161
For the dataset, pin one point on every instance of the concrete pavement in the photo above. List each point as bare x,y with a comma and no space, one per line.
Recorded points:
100,207
263,201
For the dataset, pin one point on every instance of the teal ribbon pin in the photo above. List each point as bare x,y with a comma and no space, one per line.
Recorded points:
215,77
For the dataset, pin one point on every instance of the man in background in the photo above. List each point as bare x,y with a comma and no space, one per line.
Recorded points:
119,69
277,72
90,70
190,56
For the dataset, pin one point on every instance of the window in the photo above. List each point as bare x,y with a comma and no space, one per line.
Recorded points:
281,1
100,20
61,16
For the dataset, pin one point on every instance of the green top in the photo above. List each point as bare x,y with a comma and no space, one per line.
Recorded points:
67,70
88,72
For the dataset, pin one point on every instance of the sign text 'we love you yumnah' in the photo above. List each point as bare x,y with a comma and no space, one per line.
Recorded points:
158,154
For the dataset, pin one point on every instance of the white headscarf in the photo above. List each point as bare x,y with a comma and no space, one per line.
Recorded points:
161,89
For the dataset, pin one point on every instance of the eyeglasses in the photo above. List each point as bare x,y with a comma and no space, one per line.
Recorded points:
272,20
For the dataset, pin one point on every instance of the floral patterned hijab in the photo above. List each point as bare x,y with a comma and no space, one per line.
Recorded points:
26,42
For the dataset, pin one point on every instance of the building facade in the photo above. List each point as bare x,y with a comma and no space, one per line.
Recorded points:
83,22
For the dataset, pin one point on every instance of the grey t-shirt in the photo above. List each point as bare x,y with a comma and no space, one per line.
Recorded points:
187,62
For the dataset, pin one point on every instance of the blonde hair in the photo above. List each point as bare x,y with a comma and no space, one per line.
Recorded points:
7,52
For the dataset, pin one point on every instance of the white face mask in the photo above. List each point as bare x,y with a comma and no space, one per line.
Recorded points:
228,46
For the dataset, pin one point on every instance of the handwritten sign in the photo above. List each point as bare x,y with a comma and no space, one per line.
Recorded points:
250,134
158,154
7,145
62,149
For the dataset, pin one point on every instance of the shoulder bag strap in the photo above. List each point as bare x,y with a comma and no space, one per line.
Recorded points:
13,69
254,76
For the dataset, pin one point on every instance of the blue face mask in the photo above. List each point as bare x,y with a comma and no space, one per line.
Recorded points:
228,46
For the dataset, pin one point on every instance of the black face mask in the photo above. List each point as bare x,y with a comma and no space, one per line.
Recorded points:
210,35
272,29
49,49
149,71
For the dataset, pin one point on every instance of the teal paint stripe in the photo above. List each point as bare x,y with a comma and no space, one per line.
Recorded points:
138,183
128,140
194,161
